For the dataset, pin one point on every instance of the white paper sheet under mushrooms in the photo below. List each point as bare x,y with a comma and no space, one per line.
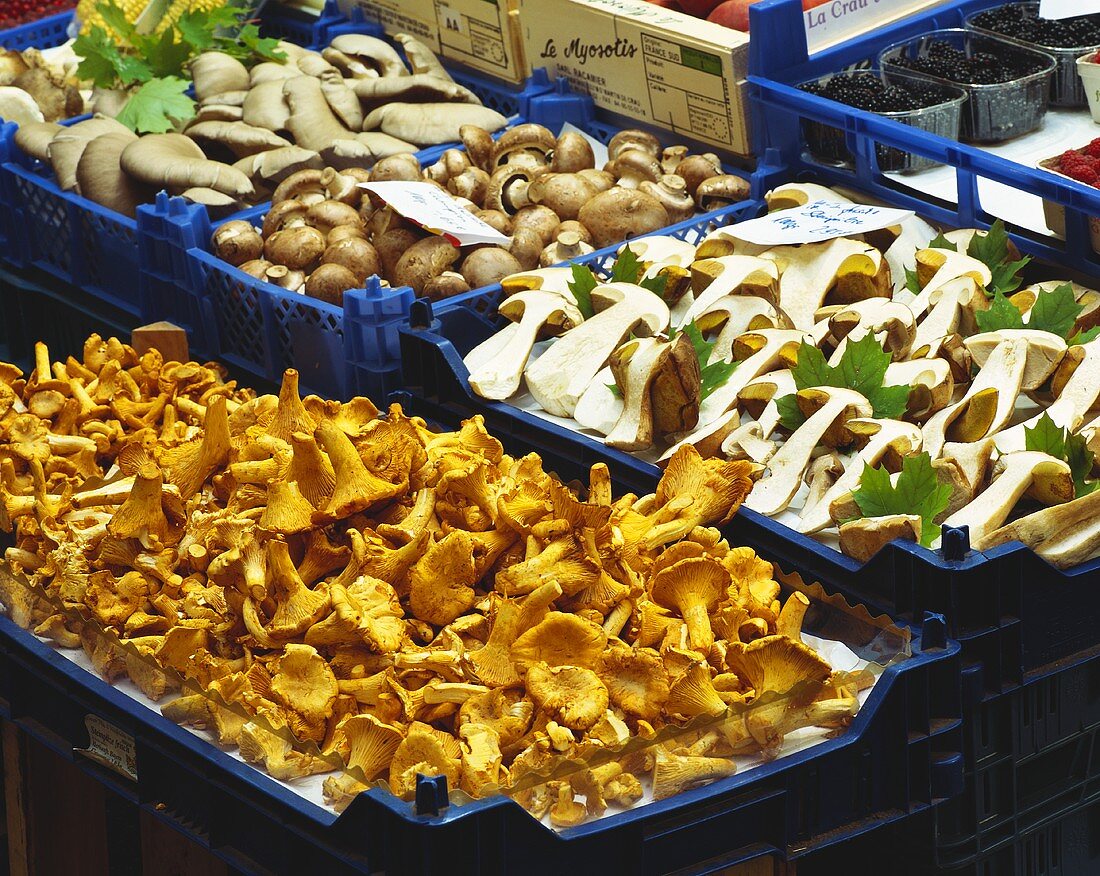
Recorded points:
921,355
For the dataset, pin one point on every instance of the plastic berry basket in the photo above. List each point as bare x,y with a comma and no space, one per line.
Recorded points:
1066,88
1055,214
828,143
995,112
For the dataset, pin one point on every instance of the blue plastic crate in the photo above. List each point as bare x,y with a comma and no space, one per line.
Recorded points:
41,34
779,107
262,329
898,760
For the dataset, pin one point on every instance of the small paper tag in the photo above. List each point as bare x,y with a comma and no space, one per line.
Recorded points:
436,211
1067,8
815,222
111,747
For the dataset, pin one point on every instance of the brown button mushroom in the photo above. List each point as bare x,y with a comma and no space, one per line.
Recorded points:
600,180
524,145
620,214
633,139
478,144
696,168
297,248
346,232
355,254
572,152
507,189
633,166
489,265
564,193
400,167
237,242
472,183
540,219
671,190
572,225
284,214
391,245
422,261
568,246
498,219
721,191
326,215
256,268
329,282
526,247
282,276
446,285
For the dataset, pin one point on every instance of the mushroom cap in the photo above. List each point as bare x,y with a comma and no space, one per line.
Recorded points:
572,695
442,580
1044,351
619,213
528,139
776,663
422,752
371,743
303,681
560,639
693,693
636,681
690,581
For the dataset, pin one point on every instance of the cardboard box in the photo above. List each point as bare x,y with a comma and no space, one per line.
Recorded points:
482,34
647,64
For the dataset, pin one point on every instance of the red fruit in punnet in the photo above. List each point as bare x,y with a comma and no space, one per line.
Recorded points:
1087,175
1093,149
668,4
733,14
698,8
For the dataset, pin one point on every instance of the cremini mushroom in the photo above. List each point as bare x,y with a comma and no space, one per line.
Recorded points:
619,214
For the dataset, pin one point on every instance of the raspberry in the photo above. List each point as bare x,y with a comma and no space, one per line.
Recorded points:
1093,149
1087,175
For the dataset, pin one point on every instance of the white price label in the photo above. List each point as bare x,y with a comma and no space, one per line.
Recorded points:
111,747
815,222
1067,8
451,19
436,211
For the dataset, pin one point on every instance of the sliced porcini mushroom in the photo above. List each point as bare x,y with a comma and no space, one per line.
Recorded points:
935,267
848,269
863,538
890,322
550,279
559,377
1076,389
1044,352
620,214
930,381
564,193
1088,299
175,162
881,439
831,407
756,351
534,313
951,309
707,439
1064,535
568,246
100,178
660,387
913,234
989,401
972,461
721,191
1039,475
733,316
524,145
820,477
425,259
672,192
713,278
800,194
427,124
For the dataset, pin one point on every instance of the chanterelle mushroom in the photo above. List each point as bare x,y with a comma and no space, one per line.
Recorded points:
560,376
774,493
497,375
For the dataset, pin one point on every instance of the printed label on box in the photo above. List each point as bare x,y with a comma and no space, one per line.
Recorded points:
644,62
110,746
830,21
815,222
475,32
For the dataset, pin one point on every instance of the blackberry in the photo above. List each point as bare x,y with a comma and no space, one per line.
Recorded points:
945,61
1022,22
866,91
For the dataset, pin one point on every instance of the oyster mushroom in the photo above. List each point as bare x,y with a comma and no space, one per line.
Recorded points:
535,312
827,409
559,377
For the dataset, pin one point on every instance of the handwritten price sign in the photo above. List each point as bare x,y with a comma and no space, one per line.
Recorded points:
815,222
424,204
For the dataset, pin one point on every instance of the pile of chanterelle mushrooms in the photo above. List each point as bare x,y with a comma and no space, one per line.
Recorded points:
324,234
336,589
823,360
347,106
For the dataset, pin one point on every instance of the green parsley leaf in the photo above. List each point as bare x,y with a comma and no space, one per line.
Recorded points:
1055,311
941,242
627,268
862,367
1084,337
1047,437
912,281
157,106
582,284
918,491
790,415
1002,314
